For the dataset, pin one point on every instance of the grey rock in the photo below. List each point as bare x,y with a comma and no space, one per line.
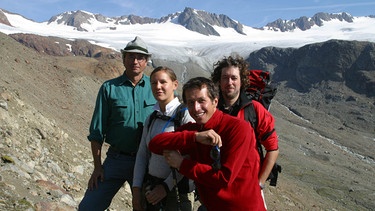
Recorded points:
3,105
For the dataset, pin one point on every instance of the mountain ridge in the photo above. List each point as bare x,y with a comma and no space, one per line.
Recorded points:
304,23
202,21
195,20
186,45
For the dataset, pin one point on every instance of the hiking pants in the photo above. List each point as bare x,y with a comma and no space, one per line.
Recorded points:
118,169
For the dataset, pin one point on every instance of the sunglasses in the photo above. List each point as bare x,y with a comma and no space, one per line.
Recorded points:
215,155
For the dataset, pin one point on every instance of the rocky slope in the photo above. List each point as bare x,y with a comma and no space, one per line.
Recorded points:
45,108
335,78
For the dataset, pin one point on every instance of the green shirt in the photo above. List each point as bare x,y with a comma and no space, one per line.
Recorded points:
120,109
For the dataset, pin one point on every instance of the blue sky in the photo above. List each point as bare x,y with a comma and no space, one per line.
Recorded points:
250,13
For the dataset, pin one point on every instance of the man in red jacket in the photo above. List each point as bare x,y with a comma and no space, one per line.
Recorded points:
230,74
226,177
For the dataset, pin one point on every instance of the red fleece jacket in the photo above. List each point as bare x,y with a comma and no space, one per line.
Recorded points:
266,124
235,186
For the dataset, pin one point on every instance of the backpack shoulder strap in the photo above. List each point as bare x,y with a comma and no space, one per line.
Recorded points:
250,115
180,112
152,117
177,117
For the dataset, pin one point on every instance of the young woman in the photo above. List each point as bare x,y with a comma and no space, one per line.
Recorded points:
154,180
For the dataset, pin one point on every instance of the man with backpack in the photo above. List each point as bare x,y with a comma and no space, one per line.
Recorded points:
231,75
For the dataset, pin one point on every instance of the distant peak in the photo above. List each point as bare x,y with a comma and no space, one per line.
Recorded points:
304,23
194,20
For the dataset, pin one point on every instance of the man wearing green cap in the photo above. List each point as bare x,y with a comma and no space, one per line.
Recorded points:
122,105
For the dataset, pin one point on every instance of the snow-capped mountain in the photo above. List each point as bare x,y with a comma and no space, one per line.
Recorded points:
304,23
193,20
192,35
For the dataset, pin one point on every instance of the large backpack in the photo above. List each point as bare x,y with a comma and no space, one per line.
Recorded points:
261,90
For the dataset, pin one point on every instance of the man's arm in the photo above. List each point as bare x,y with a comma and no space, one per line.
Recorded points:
183,140
268,163
269,139
233,155
96,149
172,141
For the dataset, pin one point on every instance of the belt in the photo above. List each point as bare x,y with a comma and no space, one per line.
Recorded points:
131,154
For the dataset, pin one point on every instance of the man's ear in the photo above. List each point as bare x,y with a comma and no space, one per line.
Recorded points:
215,101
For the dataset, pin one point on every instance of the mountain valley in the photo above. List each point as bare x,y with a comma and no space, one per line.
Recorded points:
324,112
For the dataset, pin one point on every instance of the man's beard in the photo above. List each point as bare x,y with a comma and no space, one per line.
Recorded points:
230,96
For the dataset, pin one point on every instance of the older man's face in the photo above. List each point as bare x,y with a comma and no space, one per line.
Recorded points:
135,63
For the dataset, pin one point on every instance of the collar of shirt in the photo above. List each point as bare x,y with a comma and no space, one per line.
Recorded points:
213,122
231,109
171,106
125,80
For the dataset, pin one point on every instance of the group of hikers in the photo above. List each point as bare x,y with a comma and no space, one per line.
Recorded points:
172,153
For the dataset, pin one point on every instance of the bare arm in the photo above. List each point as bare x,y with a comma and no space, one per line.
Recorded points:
268,163
136,200
96,149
